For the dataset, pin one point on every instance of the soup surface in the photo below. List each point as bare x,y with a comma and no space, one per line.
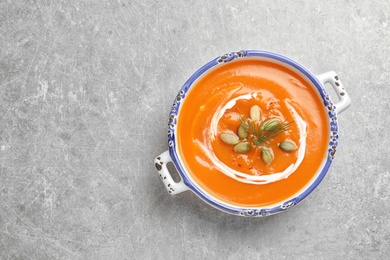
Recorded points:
220,101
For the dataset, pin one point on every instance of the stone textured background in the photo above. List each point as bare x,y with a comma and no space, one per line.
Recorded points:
85,92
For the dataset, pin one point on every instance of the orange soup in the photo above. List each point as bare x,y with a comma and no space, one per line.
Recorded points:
220,101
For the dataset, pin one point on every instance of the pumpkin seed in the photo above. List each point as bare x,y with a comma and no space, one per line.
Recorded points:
242,147
271,124
287,146
229,138
255,113
242,132
267,156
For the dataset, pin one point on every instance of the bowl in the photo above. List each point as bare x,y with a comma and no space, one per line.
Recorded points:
252,133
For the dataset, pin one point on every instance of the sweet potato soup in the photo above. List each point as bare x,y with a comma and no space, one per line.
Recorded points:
252,132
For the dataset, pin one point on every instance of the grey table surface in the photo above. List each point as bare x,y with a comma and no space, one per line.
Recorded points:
85,92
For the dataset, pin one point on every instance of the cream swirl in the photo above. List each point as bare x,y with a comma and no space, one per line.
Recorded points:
255,179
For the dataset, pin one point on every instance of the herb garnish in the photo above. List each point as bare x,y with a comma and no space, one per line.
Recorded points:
254,131
263,132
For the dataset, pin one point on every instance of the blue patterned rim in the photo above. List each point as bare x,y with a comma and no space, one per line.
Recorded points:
250,211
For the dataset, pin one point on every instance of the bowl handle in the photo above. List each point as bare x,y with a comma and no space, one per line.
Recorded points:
333,79
161,165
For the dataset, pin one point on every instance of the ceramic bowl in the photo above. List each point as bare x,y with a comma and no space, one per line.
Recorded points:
187,182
